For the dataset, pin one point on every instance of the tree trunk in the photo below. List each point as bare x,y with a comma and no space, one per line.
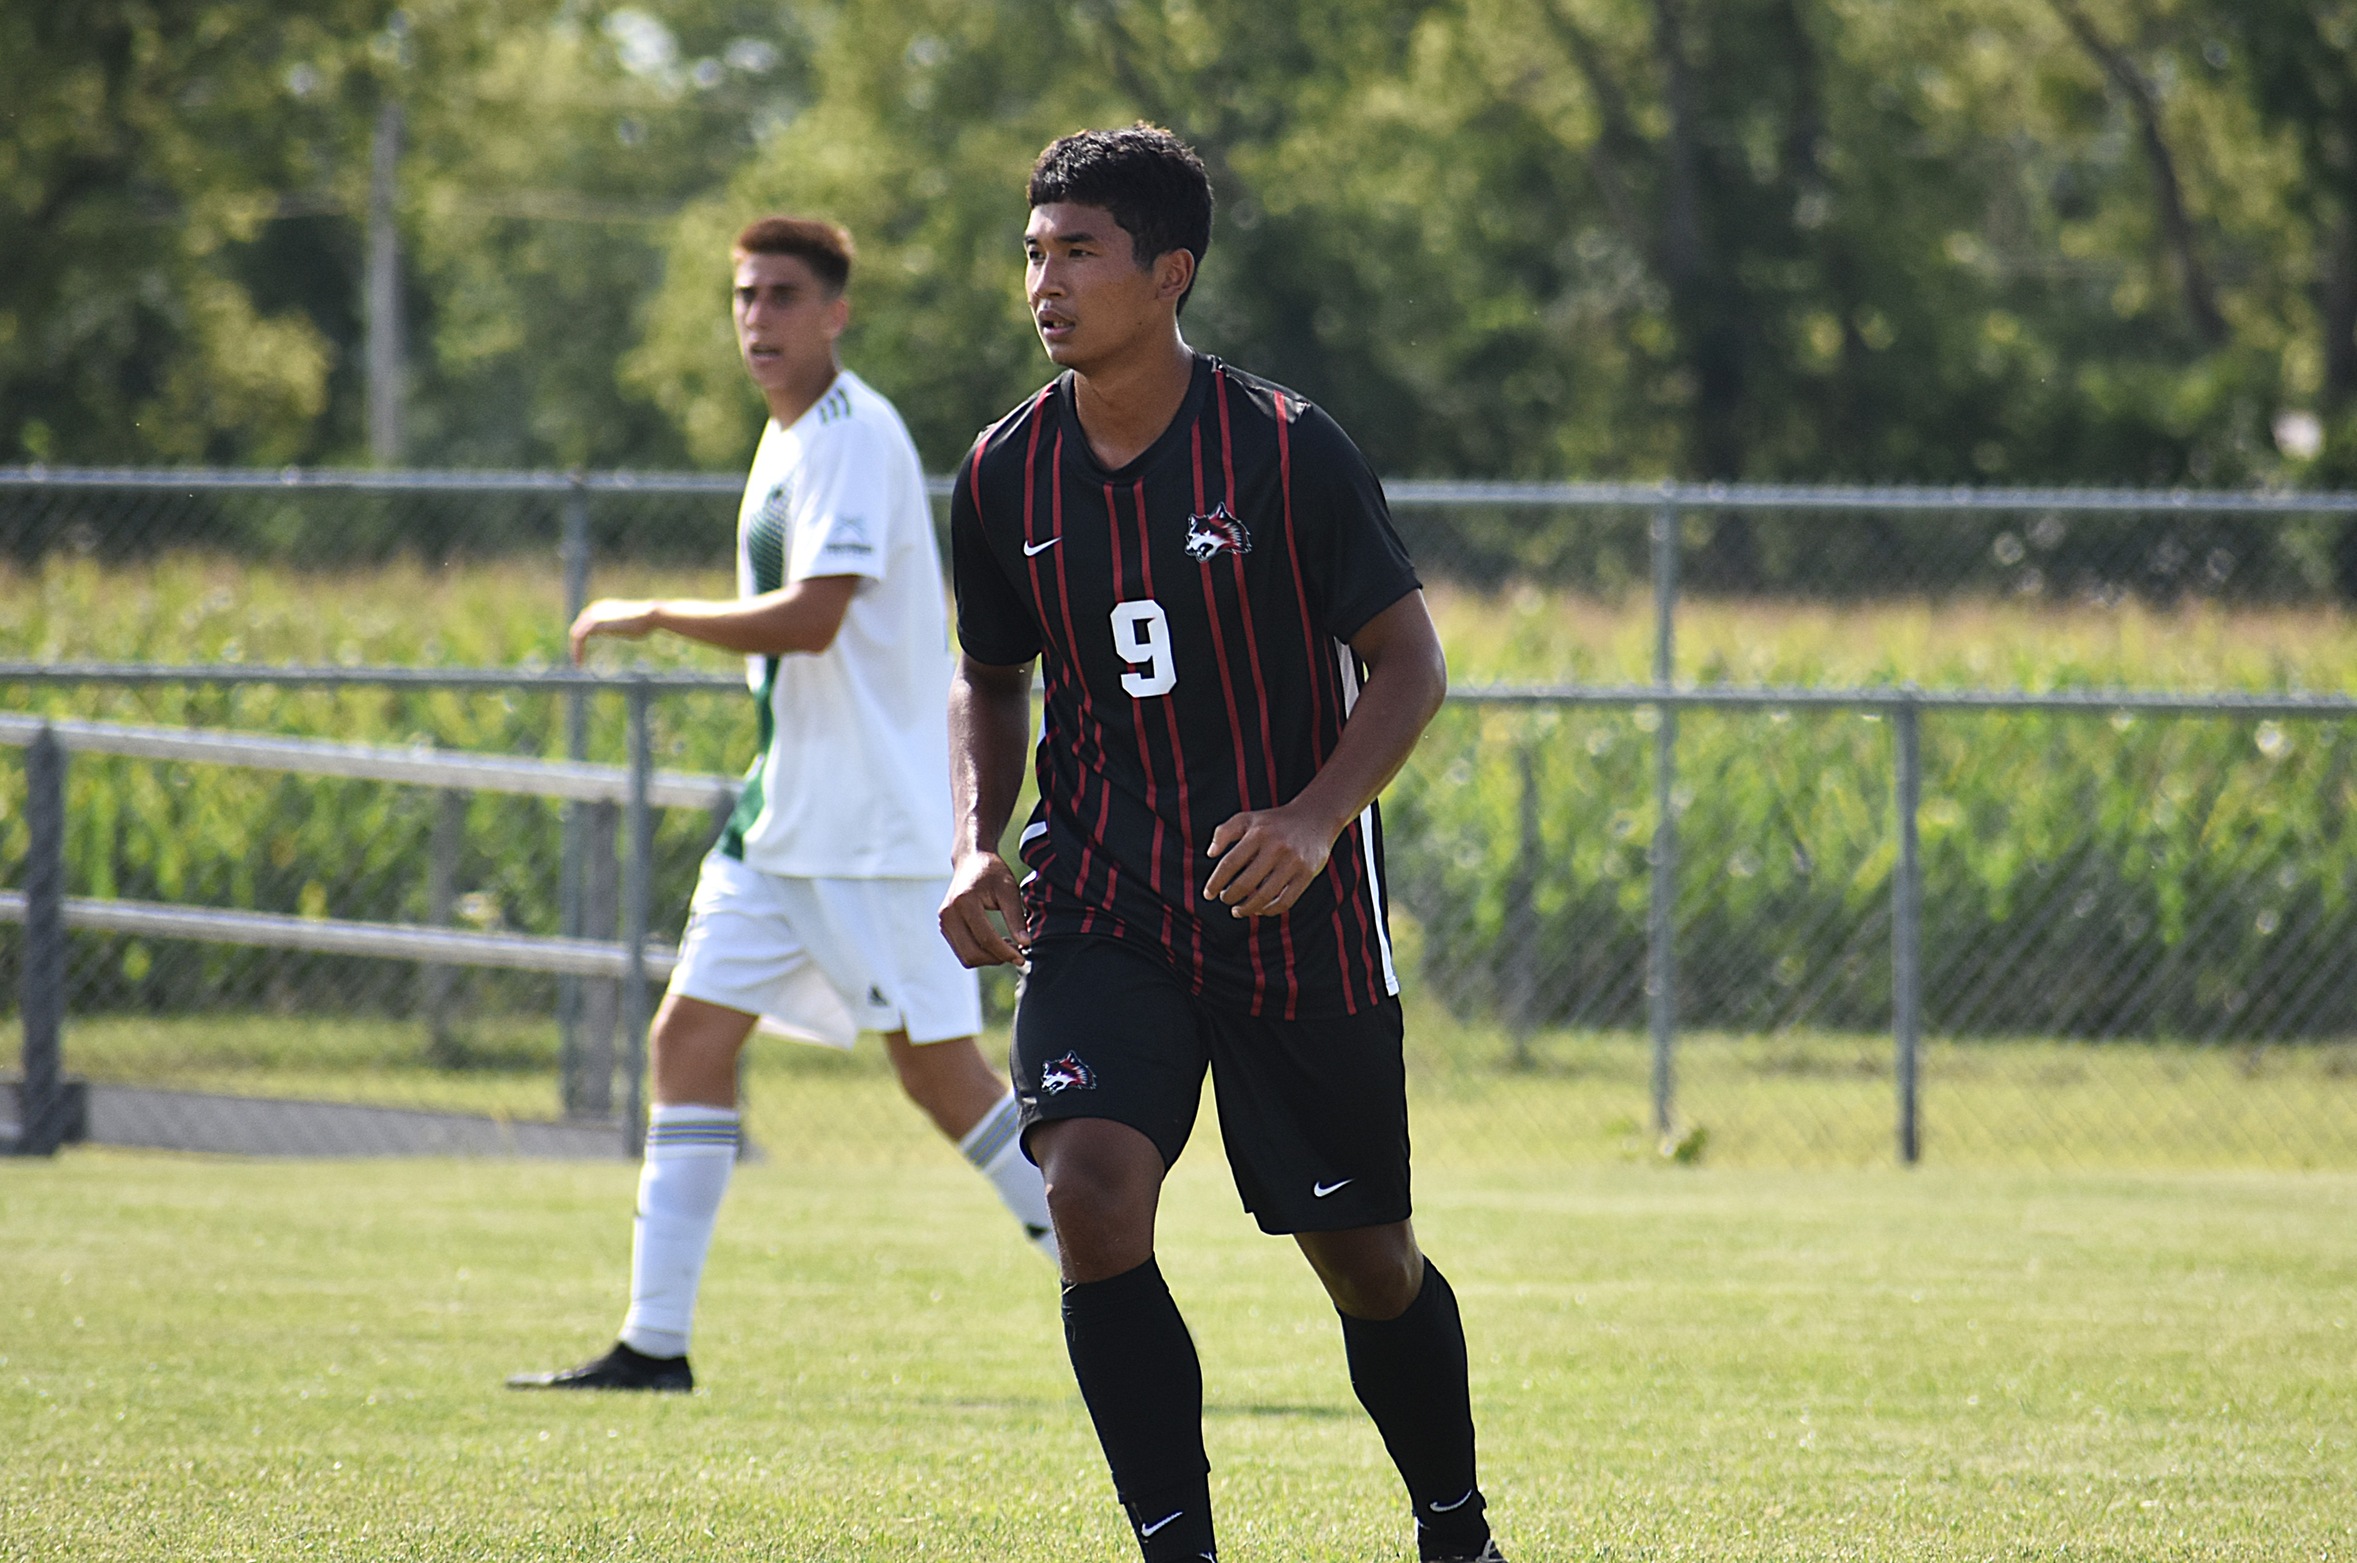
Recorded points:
2177,231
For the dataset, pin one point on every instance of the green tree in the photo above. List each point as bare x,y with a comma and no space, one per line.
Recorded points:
1986,240
921,120
552,150
2297,60
144,149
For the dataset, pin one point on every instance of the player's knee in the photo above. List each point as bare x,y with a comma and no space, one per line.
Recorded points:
678,1043
1084,1203
1099,1195
944,1079
1384,1293
1368,1279
939,1099
693,1048
911,1069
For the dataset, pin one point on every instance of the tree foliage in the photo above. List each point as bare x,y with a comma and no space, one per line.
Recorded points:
1988,240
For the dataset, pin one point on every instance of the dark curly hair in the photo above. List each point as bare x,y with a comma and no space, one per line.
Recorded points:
1150,180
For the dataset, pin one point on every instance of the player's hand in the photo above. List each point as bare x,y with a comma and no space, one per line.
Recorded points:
1266,860
612,616
983,884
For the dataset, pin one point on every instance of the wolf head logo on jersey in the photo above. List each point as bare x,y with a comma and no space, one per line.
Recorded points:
1066,1074
1217,533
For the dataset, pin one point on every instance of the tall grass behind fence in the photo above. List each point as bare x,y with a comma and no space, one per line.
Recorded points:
1592,539
2089,874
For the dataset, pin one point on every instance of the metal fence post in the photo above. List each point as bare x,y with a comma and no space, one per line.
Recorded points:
578,1092
637,896
437,984
1907,929
42,1106
1518,947
590,1085
1661,974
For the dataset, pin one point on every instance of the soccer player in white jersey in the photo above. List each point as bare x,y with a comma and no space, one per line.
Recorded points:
815,912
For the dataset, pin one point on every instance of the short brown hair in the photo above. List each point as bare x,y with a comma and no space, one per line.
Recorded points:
824,245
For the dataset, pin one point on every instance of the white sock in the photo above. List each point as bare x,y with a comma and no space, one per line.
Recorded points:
690,1152
992,1146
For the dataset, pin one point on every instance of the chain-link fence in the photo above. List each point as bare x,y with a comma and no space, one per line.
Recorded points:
1812,926
364,889
1856,832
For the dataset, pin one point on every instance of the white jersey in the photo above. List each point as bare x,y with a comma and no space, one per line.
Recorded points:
852,781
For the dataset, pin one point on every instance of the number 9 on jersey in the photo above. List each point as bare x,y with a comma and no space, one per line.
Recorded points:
1141,634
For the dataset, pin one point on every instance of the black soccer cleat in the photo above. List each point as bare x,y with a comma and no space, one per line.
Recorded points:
1489,1553
620,1368
1432,1548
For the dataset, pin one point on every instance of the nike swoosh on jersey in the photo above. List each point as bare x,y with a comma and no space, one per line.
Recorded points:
1321,1190
1031,550
1148,1530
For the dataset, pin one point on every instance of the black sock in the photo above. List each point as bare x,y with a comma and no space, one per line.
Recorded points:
1144,1388
1410,1375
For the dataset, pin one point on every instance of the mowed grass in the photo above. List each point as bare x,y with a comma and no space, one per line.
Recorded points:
222,1359
1795,1100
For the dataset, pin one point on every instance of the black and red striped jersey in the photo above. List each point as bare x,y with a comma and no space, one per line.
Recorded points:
1191,613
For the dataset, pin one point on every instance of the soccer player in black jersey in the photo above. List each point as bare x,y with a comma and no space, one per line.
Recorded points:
1237,659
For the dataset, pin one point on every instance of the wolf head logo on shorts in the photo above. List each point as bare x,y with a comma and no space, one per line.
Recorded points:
1215,534
1066,1074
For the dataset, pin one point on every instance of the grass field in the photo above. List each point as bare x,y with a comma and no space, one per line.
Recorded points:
214,1359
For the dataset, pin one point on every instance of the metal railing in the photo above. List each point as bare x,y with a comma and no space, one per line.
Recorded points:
46,1110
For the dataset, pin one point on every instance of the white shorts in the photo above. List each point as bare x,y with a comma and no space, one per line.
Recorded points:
822,960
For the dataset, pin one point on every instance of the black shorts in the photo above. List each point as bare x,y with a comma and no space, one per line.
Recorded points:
1314,1112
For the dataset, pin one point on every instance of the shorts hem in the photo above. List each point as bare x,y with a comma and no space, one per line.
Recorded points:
1030,1115
695,990
966,1035
1278,1226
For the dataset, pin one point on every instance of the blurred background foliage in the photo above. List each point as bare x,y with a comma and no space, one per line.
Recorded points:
1972,241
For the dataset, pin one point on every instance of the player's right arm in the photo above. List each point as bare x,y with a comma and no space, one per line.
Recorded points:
989,722
803,615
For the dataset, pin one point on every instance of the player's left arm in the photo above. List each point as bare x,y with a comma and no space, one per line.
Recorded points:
803,615
1266,858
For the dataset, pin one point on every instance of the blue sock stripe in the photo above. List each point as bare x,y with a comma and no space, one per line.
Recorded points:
995,1133
684,1134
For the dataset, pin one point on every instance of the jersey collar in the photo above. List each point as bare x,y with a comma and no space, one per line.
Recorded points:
1079,453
